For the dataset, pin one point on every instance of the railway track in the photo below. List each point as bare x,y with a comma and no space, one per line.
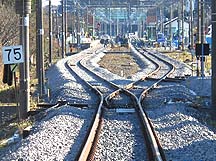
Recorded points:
119,129
106,102
118,113
101,114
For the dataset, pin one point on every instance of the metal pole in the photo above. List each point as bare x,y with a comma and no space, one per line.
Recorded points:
23,8
78,26
65,15
38,41
23,109
178,27
26,50
40,46
142,28
110,20
182,25
170,25
93,30
202,40
198,35
116,27
129,13
63,33
191,25
199,23
213,54
50,33
191,34
87,18
105,27
161,18
57,27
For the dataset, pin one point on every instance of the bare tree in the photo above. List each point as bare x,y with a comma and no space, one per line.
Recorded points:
9,28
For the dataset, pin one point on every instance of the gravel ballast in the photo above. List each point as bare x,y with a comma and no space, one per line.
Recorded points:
121,138
57,137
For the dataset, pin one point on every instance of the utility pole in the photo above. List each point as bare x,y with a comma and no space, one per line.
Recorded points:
110,13
63,33
87,18
170,25
161,19
129,14
93,30
178,26
213,54
191,25
202,39
78,25
22,109
40,47
57,30
23,8
182,24
202,22
65,15
199,22
50,33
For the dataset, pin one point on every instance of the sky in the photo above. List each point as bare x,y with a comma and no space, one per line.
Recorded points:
54,2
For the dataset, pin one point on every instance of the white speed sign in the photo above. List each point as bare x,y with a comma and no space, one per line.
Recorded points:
12,54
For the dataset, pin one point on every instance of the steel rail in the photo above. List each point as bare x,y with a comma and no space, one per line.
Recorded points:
158,67
87,147
151,134
145,122
151,137
115,93
155,145
83,154
159,80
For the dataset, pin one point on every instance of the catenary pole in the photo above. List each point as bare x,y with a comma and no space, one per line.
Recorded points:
22,108
50,33
191,25
23,8
170,25
182,14
63,32
78,25
202,37
40,47
213,55
65,15
26,50
178,25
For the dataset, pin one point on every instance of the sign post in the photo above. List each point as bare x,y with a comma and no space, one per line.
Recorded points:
12,55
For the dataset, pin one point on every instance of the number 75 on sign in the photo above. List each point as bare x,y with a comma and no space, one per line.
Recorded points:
12,54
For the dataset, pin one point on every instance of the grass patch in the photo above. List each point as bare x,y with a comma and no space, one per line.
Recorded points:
121,64
7,95
187,58
8,131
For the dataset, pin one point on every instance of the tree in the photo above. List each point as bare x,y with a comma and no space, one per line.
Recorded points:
9,28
